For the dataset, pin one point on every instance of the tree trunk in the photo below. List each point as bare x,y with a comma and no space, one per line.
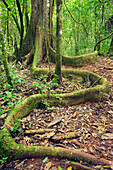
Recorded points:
97,36
58,61
4,59
35,31
111,47
39,36
38,47
51,4
29,39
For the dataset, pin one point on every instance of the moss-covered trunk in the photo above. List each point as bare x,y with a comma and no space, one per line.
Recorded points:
29,38
35,31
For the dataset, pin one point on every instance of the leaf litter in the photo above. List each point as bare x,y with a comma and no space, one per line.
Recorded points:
86,127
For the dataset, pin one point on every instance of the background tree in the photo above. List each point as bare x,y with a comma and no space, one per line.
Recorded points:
82,28
4,57
58,40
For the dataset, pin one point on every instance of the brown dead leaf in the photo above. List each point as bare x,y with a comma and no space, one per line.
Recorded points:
23,125
107,136
110,111
54,122
27,139
91,149
48,166
74,115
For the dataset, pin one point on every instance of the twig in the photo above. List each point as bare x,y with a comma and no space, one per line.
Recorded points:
95,81
38,131
79,166
20,164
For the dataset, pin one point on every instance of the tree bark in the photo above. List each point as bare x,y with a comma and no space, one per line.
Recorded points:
29,39
35,31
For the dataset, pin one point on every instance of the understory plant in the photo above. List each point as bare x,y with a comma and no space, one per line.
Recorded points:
8,93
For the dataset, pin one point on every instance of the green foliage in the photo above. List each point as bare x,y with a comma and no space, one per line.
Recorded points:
3,160
87,14
31,124
59,168
7,92
45,103
59,98
44,86
104,95
16,126
45,159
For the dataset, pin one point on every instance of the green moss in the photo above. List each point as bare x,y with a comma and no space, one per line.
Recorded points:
79,60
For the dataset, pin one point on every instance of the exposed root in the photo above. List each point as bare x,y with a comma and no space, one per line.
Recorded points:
18,151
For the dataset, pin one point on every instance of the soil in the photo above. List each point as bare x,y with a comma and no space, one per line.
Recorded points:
54,126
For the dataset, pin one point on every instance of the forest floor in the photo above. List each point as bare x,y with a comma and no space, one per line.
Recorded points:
55,126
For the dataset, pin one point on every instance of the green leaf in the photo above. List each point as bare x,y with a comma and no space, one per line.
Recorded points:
45,160
98,133
31,124
59,168
8,94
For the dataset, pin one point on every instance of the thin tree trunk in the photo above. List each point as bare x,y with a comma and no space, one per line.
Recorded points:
22,28
15,19
51,4
58,61
8,27
4,59
26,16
111,47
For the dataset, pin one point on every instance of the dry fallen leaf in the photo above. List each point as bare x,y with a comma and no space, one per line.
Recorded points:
48,166
57,120
107,136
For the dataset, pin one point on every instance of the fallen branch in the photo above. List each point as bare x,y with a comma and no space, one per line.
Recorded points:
66,135
95,81
31,132
46,135
81,167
